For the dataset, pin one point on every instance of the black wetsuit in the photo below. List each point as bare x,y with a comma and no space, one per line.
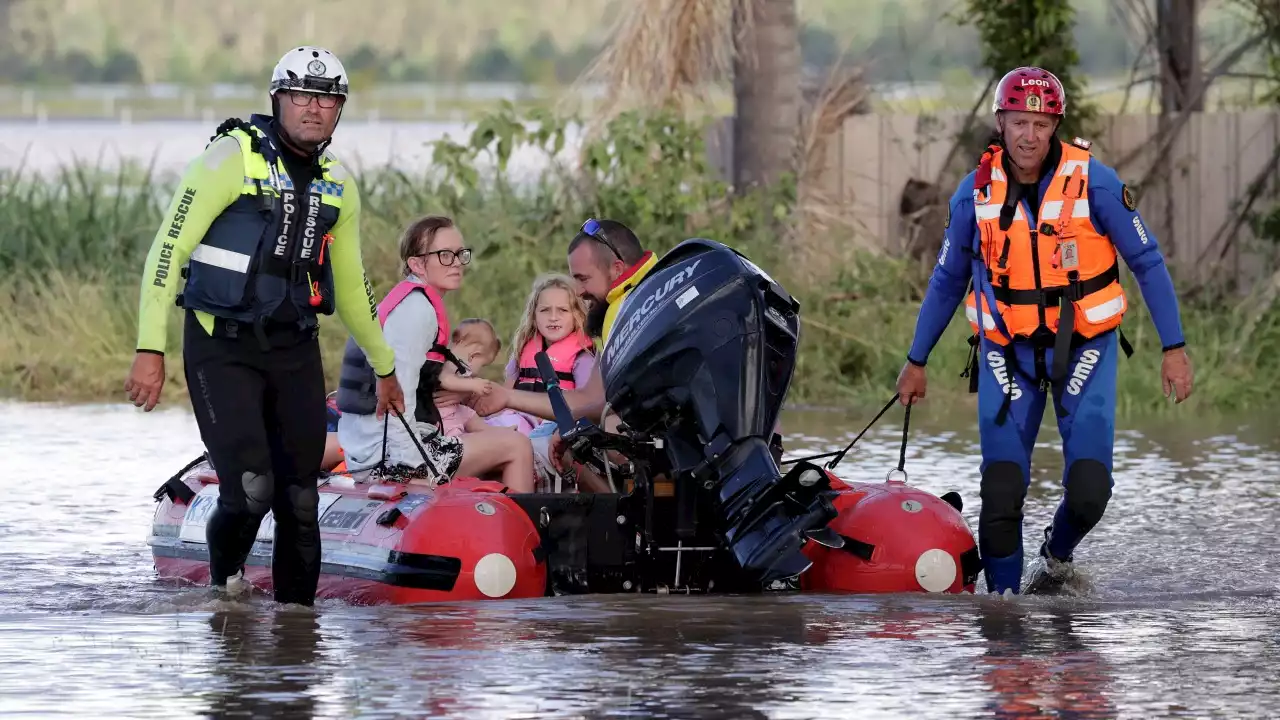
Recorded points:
262,417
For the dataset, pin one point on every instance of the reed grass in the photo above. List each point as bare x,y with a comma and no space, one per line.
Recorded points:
72,252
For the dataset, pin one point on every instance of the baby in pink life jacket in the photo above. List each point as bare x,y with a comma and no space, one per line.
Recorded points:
555,320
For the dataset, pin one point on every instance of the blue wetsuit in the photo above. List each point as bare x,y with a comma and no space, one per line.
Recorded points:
1085,400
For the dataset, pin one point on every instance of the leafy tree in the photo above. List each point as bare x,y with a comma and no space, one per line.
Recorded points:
1266,17
1034,32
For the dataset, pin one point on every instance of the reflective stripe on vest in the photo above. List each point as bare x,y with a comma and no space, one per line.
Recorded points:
563,354
1063,269
357,382
258,252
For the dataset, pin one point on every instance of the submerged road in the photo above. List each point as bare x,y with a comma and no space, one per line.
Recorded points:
1183,619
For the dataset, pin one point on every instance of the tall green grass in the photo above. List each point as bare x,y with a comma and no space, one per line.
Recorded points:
73,246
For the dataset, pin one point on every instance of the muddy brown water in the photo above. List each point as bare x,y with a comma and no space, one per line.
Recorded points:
1183,619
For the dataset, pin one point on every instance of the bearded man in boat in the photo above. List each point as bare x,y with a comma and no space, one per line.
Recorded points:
1036,232
608,262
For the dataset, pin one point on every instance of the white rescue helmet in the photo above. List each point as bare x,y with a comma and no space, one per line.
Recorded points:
310,69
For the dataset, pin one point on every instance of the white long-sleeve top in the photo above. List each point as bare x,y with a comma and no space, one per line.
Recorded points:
410,330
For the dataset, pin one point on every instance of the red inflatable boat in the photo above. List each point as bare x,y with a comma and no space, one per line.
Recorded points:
696,369
394,543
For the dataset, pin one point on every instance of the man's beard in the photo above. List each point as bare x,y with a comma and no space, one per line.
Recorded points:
595,318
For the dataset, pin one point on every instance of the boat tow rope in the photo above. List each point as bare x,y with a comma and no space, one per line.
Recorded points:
430,465
175,488
906,425
381,468
837,456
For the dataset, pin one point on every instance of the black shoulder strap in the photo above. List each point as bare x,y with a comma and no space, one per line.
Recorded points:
234,123
1012,195
463,368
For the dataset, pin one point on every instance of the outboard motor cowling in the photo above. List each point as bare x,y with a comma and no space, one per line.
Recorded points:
702,354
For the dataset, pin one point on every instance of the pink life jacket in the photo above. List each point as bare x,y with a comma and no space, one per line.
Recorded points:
563,353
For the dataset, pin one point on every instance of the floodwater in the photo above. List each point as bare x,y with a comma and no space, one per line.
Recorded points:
169,145
1183,619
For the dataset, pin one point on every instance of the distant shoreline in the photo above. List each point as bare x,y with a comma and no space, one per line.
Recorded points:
99,144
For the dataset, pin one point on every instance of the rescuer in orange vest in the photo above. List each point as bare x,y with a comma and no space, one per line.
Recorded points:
1036,232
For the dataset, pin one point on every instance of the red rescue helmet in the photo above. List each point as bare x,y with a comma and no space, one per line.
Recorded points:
1030,89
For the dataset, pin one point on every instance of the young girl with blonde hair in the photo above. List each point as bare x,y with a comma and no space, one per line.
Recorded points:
555,320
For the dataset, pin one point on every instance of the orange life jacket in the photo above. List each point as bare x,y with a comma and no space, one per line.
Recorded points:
1058,278
563,353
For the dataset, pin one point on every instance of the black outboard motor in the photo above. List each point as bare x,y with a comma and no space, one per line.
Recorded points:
701,355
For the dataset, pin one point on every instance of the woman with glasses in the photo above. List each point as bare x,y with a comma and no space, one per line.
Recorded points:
416,326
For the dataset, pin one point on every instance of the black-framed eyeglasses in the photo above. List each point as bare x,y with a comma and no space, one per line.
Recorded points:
591,228
446,256
303,99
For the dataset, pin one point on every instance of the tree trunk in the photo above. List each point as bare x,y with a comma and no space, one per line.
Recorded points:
7,40
1178,46
766,89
